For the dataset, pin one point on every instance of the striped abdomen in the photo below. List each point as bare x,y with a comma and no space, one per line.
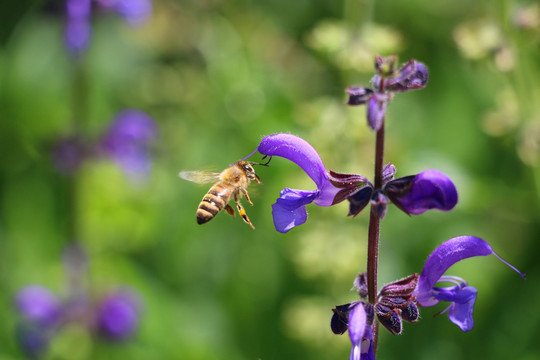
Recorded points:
214,201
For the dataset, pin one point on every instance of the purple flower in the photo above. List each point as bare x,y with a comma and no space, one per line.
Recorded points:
413,75
430,189
289,210
460,295
118,315
39,305
78,27
128,141
415,194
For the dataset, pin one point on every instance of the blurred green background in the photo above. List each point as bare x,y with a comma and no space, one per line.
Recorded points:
218,75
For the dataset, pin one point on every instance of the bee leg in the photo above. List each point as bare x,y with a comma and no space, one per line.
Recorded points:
229,209
244,191
242,213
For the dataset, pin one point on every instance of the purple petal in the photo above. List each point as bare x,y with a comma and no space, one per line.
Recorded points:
304,155
118,315
430,189
357,327
289,210
38,304
461,310
375,113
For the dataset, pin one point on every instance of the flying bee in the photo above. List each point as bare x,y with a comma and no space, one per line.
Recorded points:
230,183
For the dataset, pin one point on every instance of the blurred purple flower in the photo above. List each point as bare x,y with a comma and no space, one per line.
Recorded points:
118,315
39,305
78,27
460,295
128,140
289,210
33,339
69,154
415,194
77,33
413,75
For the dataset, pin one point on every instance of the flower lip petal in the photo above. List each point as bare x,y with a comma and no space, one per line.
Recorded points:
357,323
289,210
460,313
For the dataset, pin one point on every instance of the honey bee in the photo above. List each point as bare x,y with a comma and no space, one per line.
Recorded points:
230,183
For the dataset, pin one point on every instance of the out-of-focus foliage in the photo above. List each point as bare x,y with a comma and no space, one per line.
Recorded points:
218,75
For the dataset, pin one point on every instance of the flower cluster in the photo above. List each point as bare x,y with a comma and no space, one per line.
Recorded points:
399,300
78,27
414,195
127,142
113,316
387,80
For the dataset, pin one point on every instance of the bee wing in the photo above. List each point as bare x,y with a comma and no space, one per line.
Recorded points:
199,177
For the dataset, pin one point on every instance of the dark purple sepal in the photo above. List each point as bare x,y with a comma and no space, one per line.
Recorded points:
430,189
358,95
389,319
340,319
402,287
394,302
360,283
379,204
359,200
410,313
348,183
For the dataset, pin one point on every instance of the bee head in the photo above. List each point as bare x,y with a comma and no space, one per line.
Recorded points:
250,172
